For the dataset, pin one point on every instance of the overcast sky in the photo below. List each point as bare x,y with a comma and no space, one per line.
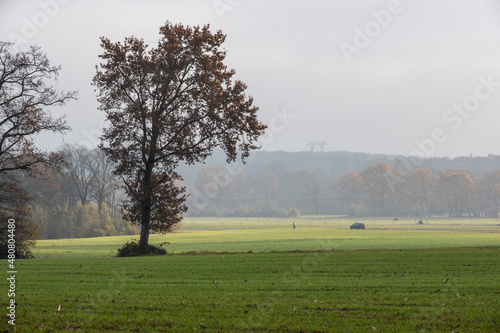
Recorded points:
394,77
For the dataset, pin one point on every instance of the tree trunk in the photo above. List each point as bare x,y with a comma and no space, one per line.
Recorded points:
145,223
146,207
144,240
99,205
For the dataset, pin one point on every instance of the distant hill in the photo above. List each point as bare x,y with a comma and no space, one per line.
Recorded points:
339,163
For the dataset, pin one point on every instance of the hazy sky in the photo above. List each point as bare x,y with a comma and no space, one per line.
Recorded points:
396,77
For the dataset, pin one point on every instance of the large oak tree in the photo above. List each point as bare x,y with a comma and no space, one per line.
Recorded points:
174,102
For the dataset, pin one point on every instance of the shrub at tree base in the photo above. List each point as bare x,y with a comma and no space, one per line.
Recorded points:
22,251
25,232
132,249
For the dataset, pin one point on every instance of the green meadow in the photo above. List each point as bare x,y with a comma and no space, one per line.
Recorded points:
267,235
240,276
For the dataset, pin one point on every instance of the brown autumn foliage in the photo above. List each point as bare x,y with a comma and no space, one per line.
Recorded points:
174,102
350,189
456,190
26,231
378,181
422,185
14,205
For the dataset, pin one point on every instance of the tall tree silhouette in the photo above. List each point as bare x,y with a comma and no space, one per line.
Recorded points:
174,102
25,98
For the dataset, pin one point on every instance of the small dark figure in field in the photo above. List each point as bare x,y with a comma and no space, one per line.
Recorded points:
294,225
420,222
395,219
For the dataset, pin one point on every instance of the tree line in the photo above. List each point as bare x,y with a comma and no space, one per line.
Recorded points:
379,190
79,197
82,197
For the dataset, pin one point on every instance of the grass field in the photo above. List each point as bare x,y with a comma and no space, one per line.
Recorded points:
265,235
443,277
350,291
340,222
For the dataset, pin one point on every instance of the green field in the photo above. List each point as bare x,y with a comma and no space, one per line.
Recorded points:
320,277
267,234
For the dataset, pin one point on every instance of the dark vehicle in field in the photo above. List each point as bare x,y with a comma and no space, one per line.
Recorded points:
357,225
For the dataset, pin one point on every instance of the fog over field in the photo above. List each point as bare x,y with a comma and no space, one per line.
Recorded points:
385,77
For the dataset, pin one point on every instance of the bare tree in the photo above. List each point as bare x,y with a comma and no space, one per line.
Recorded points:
210,183
102,186
81,165
314,187
491,186
379,181
269,187
24,99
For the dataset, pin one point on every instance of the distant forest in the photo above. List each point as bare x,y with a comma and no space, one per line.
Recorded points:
81,198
